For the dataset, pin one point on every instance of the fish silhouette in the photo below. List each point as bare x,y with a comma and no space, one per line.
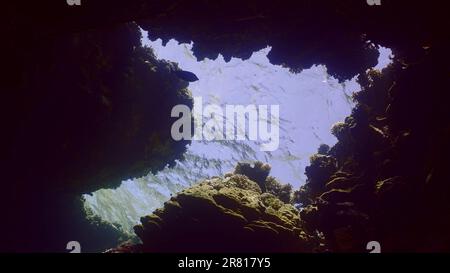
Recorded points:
186,75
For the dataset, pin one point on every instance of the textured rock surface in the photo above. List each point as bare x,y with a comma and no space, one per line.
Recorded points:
228,214
385,179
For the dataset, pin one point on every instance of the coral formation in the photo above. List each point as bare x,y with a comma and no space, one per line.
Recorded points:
226,214
385,179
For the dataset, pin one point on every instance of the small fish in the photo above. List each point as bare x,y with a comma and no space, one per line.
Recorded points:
186,75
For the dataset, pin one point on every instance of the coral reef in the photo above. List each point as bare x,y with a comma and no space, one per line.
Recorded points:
226,214
385,179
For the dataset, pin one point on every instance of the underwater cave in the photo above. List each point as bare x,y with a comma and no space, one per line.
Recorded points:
364,125
311,102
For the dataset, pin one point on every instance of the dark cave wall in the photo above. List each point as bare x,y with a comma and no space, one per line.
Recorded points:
386,178
91,109
302,33
79,115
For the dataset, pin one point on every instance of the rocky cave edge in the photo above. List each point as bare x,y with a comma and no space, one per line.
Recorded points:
84,103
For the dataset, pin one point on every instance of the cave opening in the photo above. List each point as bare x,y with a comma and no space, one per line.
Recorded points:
310,103
84,113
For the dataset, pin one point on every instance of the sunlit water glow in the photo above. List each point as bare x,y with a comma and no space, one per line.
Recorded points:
310,103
